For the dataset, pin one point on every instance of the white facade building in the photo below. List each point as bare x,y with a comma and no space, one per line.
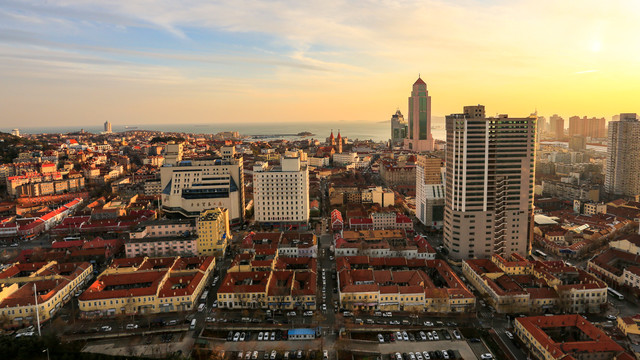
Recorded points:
191,186
281,193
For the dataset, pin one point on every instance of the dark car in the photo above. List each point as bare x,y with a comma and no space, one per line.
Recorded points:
446,335
452,354
411,337
474,340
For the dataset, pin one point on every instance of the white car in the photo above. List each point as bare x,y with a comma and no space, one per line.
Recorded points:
273,336
242,336
405,336
260,336
428,323
611,317
325,355
132,326
486,356
106,328
380,338
308,313
426,355
509,334
273,355
236,337
435,336
291,313
398,356
254,356
445,354
398,335
429,336
423,337
240,355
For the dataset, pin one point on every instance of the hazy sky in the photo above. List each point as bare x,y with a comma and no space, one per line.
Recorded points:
74,62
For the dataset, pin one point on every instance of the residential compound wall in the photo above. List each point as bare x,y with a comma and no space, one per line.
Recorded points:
520,286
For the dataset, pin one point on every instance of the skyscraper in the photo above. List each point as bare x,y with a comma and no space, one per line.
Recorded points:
107,127
489,184
623,156
419,132
556,126
593,127
398,128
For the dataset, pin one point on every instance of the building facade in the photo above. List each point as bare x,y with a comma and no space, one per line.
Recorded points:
623,156
419,130
213,232
556,127
489,184
430,191
281,193
192,186
141,285
398,128
587,127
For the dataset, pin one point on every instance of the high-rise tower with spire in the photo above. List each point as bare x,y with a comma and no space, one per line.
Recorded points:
419,132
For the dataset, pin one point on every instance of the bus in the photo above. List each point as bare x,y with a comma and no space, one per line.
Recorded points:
204,295
615,294
540,254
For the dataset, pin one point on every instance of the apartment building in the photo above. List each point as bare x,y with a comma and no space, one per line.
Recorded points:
213,232
489,184
399,284
623,156
143,285
520,286
51,284
430,191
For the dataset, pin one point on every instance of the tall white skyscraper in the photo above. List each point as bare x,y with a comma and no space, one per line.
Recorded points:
623,156
489,184
419,131
281,193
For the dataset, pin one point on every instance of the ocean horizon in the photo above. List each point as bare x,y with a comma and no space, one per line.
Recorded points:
376,131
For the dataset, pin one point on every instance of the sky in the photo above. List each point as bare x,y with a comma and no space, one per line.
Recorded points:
75,62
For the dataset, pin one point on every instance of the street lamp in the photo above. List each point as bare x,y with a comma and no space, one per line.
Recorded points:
47,350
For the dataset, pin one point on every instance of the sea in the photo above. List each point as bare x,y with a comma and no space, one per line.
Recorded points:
354,130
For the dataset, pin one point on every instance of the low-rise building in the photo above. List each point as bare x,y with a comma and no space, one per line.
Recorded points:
522,286
51,284
399,284
143,285
162,246
567,337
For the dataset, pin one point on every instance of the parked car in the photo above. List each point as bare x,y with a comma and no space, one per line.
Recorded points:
236,337
486,356
106,328
457,335
260,336
509,334
132,326
423,337
242,336
380,338
405,336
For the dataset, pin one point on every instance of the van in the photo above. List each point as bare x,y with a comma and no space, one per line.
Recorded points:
193,325
201,307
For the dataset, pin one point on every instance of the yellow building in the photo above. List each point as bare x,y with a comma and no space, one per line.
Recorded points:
147,285
55,283
213,232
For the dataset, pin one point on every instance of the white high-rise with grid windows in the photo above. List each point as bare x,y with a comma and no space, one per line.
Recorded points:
281,193
623,156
